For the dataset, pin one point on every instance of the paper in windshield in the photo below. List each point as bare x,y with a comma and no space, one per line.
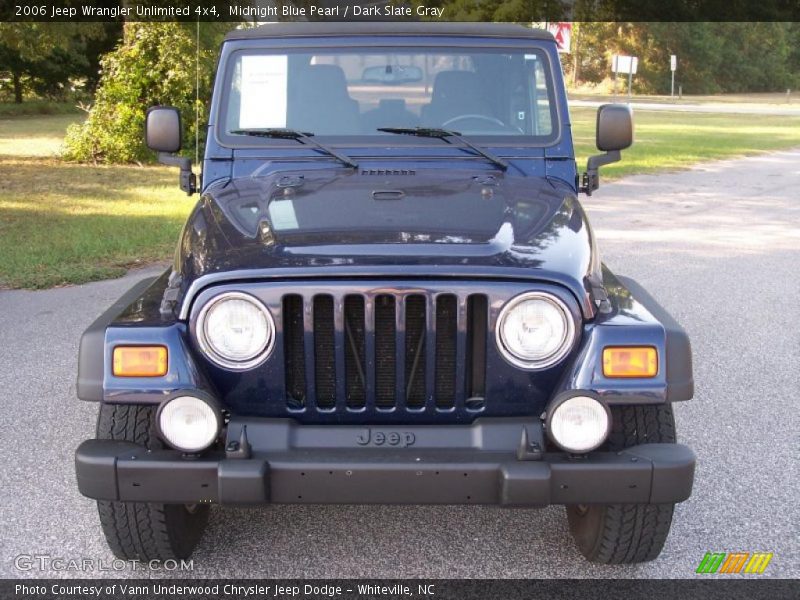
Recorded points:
263,91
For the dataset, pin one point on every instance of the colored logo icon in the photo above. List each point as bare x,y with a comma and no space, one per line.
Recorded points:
734,562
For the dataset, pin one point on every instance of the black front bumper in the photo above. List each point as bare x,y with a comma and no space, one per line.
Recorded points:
488,462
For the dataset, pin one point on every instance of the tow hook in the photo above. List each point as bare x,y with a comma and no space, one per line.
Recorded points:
528,449
240,448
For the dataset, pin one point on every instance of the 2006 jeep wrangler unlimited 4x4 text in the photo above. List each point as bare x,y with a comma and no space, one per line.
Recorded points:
388,292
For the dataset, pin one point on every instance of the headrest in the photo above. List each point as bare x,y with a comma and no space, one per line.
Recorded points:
452,84
326,79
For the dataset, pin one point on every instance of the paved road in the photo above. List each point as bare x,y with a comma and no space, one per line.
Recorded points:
740,109
719,245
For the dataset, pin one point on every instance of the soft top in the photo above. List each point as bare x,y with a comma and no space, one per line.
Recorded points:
373,28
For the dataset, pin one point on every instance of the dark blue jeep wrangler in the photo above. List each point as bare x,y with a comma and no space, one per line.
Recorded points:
388,292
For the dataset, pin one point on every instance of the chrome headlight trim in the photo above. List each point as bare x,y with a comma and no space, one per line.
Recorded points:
565,346
207,348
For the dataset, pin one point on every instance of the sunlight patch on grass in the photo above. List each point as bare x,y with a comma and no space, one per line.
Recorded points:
34,136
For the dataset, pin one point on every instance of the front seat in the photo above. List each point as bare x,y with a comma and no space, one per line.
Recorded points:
319,102
455,93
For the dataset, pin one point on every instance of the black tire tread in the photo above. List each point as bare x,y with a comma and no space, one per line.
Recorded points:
631,533
645,424
140,530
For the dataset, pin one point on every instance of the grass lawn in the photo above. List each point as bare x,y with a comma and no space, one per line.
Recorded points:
64,223
22,137
676,140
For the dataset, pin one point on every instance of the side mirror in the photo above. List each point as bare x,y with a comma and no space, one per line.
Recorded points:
163,133
614,127
162,129
614,132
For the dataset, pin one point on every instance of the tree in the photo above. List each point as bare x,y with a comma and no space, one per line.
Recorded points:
45,57
154,65
754,57
712,57
793,61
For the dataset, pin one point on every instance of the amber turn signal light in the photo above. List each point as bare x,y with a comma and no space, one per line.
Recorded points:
140,361
630,361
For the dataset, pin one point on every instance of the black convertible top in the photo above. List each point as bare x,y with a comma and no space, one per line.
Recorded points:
372,28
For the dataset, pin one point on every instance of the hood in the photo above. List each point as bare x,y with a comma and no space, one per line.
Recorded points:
372,219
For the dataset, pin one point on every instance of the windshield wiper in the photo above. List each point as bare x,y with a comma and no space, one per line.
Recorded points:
300,136
447,135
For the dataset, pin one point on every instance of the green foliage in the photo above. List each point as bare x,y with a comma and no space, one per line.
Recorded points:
154,65
712,57
46,60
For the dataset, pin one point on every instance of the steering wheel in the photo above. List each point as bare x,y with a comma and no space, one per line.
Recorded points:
476,117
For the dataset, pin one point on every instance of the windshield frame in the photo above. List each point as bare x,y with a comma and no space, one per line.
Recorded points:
235,142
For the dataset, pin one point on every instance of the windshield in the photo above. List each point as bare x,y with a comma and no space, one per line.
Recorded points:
356,91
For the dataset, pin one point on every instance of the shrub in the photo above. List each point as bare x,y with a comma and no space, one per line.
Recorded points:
154,65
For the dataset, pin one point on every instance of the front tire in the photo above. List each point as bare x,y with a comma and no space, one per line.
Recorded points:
627,533
145,530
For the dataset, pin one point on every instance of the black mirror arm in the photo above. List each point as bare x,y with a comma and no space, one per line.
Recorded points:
188,181
591,179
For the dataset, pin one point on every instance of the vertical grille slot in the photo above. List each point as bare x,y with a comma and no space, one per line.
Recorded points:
477,319
385,336
415,351
293,349
324,352
354,356
445,370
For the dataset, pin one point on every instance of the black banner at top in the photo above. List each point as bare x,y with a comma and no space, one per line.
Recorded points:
398,10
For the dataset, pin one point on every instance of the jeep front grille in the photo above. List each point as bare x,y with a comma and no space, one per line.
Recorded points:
385,351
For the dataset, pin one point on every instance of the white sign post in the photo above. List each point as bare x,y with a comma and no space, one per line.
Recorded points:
626,65
673,65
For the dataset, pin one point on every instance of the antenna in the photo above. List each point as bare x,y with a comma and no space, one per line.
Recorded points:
197,98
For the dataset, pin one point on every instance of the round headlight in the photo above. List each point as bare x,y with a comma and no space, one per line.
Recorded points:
578,424
535,330
235,330
188,423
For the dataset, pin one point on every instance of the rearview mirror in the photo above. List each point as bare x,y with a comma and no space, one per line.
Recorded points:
162,133
614,132
162,129
614,127
392,74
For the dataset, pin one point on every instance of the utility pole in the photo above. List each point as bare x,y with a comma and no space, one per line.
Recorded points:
630,84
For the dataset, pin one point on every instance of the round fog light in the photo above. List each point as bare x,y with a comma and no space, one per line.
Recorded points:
578,424
188,423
